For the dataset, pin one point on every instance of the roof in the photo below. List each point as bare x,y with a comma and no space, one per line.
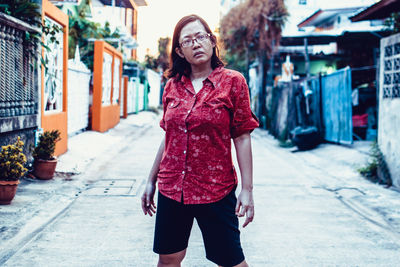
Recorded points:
324,38
321,16
77,2
380,10
126,3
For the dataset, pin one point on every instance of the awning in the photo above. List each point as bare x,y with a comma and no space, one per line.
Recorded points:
380,10
313,38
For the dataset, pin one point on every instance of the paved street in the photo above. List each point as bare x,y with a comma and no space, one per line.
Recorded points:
312,208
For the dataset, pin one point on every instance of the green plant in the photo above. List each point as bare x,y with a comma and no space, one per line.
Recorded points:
29,12
370,170
376,169
83,32
392,23
46,146
12,161
24,10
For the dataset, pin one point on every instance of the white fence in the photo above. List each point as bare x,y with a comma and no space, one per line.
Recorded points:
131,105
78,95
154,79
141,96
131,96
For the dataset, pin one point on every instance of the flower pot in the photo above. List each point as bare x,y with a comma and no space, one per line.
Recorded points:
7,191
44,169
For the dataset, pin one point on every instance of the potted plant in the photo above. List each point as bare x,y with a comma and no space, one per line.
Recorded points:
12,168
44,164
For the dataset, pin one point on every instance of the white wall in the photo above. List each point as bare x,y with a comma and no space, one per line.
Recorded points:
78,96
389,108
154,79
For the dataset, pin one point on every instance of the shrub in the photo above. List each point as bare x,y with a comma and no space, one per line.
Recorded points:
46,146
376,169
12,161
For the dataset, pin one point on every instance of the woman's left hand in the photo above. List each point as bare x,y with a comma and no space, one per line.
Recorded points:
245,206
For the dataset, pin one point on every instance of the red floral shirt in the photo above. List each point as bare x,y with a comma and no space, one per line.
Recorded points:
197,159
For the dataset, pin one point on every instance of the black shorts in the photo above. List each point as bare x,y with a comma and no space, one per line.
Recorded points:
217,221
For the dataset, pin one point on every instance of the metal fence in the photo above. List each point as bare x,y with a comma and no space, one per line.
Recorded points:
337,109
18,81
323,102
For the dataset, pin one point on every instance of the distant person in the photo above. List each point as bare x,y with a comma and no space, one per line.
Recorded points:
205,105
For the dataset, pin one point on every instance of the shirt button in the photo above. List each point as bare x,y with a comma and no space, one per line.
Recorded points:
183,172
188,111
184,151
185,131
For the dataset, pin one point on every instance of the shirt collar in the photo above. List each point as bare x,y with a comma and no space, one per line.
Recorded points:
214,76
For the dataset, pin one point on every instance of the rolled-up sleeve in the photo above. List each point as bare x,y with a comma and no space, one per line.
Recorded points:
243,119
166,90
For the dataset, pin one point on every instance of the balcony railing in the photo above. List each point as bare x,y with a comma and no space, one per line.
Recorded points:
18,69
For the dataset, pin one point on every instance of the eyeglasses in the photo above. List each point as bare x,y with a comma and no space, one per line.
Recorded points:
199,39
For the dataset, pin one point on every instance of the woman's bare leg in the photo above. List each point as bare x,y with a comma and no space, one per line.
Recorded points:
171,260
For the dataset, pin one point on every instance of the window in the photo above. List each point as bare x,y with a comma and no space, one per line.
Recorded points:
302,2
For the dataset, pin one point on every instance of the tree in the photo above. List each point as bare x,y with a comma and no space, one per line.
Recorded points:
162,60
163,53
82,32
253,28
392,23
24,10
150,62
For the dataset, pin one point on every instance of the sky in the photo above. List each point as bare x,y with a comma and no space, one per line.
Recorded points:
159,18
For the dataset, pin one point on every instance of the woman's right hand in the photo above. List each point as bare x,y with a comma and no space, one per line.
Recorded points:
148,205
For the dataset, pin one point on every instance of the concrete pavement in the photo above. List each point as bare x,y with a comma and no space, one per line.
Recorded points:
312,208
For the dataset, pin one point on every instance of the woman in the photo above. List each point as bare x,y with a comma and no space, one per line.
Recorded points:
205,105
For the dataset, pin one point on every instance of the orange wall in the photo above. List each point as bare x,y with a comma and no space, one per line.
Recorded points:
57,120
104,117
110,117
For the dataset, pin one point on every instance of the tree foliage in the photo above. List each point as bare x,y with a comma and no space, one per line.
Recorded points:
251,30
82,32
24,10
253,25
163,52
392,23
162,60
150,62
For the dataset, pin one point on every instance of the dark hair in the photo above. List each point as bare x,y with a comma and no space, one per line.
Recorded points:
179,66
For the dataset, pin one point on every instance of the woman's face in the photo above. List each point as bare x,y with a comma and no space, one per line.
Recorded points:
199,52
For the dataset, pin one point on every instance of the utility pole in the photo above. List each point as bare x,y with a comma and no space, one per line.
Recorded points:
307,63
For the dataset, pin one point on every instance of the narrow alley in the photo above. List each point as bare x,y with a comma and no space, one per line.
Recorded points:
312,208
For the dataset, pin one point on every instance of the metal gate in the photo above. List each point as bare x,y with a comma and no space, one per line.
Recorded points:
336,106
